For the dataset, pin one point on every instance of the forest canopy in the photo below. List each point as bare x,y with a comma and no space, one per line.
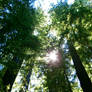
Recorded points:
45,50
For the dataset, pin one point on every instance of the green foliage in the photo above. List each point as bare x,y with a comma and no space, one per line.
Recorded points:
18,21
24,35
73,22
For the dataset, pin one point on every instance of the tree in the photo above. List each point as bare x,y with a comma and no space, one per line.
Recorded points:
80,70
17,36
69,20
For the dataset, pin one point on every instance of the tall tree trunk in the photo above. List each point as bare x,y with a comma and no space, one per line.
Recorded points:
80,70
8,79
23,77
10,75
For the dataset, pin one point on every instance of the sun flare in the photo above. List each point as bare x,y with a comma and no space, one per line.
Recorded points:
53,58
52,55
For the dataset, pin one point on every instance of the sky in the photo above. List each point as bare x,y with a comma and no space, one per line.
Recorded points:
1,67
46,4
69,1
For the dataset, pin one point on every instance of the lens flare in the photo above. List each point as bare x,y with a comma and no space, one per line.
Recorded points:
53,58
52,55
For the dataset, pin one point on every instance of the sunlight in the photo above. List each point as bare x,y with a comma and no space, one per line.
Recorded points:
53,58
35,32
53,32
45,4
70,1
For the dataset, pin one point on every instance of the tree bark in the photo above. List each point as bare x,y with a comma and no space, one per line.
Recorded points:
85,81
